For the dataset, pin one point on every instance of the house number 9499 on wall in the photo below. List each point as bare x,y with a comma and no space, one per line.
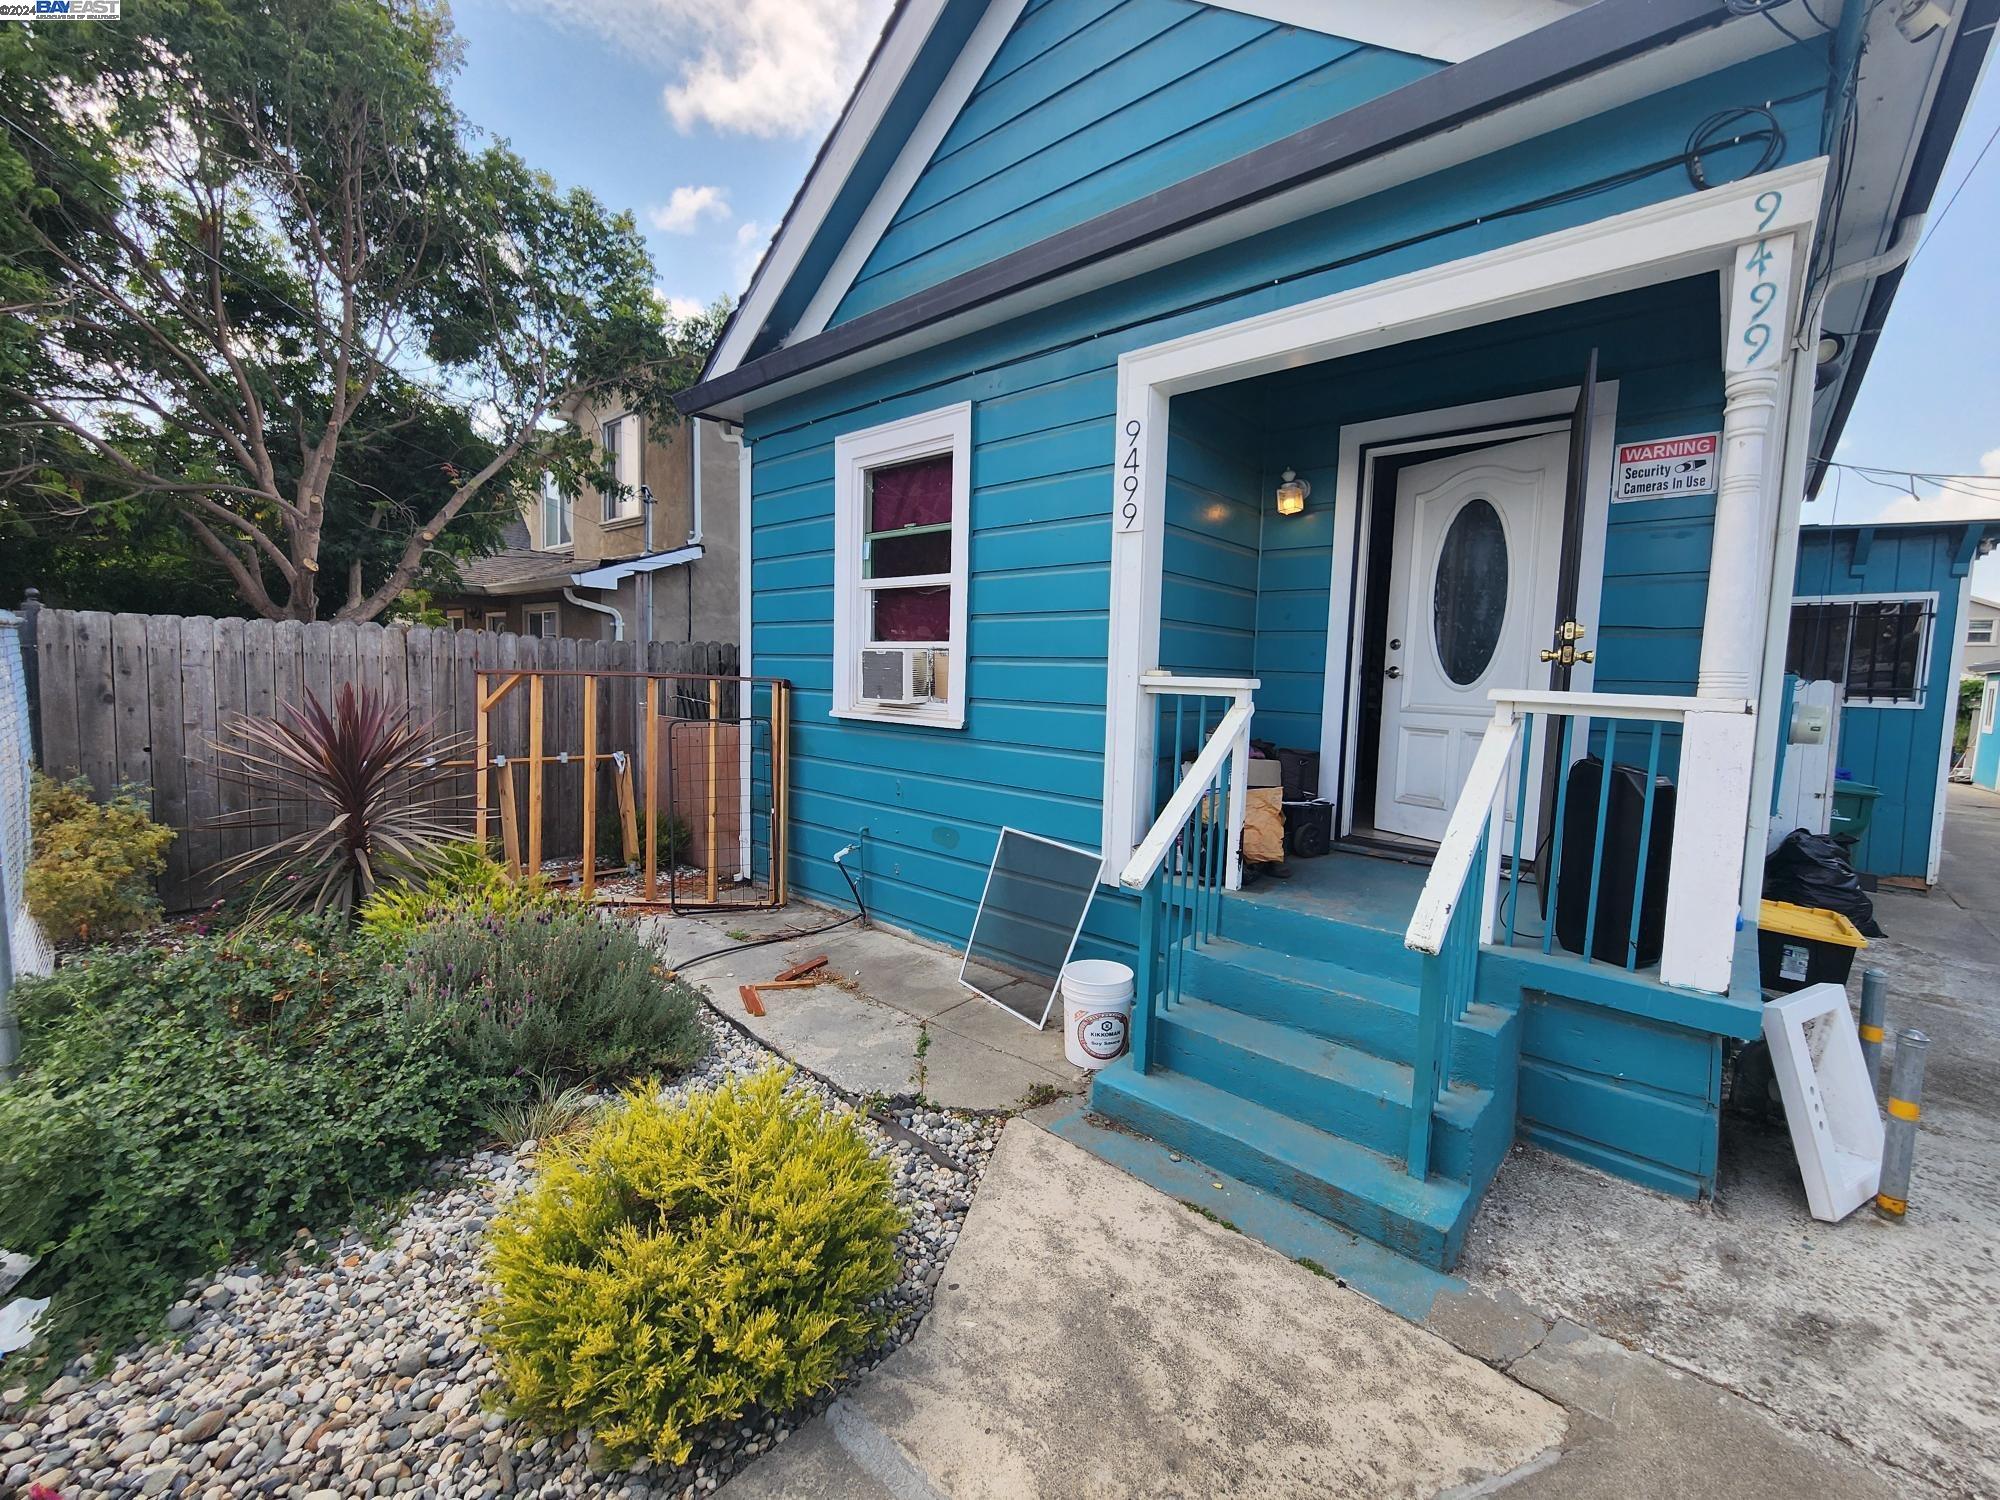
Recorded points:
1758,293
1128,507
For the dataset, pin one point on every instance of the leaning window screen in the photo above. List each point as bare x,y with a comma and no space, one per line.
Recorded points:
1037,894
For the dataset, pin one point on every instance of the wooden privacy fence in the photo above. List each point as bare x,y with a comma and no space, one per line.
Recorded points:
142,699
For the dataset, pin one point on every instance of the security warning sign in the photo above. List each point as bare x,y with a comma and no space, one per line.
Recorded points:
1662,467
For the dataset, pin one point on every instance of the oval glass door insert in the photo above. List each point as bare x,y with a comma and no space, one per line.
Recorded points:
1469,592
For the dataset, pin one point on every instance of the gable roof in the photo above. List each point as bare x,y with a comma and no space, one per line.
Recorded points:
1525,86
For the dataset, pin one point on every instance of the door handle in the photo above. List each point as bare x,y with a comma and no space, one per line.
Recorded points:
1392,671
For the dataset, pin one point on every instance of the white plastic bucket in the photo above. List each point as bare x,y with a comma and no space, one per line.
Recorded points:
1097,1010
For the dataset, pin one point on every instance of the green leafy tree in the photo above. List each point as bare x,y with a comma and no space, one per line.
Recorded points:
257,272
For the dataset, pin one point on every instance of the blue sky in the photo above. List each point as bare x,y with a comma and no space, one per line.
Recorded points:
701,117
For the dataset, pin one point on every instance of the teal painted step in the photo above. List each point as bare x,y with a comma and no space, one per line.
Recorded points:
1337,1179
1339,1004
1299,931
1326,1085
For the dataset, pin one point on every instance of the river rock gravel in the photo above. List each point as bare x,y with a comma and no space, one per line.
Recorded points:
361,1372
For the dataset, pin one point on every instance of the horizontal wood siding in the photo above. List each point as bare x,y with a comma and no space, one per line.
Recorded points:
1632,1097
1043,389
1896,749
1208,565
1090,104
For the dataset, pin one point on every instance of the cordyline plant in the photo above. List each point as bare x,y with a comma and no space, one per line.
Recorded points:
370,777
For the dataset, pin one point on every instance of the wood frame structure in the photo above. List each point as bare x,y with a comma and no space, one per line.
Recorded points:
496,798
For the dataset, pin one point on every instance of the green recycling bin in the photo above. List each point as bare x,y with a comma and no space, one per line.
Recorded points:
1853,807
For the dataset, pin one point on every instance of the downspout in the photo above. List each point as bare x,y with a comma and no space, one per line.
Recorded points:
694,489
1769,754
617,619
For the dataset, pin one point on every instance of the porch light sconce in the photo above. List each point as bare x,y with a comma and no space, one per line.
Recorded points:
1827,360
1292,492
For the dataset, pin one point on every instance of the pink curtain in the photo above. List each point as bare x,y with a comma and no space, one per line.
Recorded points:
912,494
919,614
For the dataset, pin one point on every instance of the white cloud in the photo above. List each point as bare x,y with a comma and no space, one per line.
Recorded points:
686,207
757,67
1989,462
677,306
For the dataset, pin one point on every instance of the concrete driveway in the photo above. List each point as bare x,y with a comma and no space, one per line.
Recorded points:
1877,1339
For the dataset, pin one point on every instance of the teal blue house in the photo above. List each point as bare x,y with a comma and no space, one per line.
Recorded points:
1431,389
1985,746
1879,611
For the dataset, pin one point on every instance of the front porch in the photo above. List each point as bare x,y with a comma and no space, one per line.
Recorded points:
1402,548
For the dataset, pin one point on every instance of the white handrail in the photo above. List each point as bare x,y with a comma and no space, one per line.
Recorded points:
1613,705
1231,731
1444,888
1239,688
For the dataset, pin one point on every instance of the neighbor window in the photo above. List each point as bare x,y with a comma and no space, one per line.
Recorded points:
1877,649
1986,697
557,515
455,618
619,438
543,621
1979,632
496,619
901,527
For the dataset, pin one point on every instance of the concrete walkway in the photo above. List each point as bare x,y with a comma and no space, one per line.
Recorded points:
1095,1339
891,1018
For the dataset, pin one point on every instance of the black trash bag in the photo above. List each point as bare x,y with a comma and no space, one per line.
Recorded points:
1810,869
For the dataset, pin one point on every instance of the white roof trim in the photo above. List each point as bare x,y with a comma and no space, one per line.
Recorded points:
1447,30
894,57
611,575
973,60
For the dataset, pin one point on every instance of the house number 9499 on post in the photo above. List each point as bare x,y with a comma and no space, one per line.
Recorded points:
1128,507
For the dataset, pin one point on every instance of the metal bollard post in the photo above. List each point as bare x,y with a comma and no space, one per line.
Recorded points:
1899,1146
1874,1006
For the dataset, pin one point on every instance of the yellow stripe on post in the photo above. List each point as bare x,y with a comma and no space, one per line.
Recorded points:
1902,1109
1871,1033
1897,1206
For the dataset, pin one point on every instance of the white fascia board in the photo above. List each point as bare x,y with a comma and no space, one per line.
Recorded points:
872,97
1692,57
1447,30
950,98
612,574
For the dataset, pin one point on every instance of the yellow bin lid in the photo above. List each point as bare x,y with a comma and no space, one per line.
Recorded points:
1813,922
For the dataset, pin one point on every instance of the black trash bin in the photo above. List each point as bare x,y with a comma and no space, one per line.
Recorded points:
1624,814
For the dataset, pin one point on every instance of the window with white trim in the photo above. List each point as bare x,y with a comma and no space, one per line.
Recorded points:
496,620
558,516
619,438
544,621
1987,696
1876,647
902,523
1979,632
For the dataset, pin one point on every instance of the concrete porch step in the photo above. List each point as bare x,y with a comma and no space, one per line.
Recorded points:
1329,1000
1328,1085
1341,1180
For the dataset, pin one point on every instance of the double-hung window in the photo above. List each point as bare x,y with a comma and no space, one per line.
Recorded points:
1979,632
557,516
1877,647
902,522
619,438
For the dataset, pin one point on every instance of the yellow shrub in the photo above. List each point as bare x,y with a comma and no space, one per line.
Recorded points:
94,862
681,1262
466,883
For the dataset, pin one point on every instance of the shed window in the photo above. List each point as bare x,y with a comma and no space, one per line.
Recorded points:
901,517
1987,696
1877,649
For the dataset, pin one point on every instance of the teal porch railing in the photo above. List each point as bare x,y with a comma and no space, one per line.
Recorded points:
1662,904
1192,852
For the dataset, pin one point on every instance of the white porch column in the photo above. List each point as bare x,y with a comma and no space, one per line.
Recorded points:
1732,629
1718,750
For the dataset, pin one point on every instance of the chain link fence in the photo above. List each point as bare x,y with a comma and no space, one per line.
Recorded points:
22,948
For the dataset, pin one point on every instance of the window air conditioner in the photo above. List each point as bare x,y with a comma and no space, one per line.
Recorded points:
896,676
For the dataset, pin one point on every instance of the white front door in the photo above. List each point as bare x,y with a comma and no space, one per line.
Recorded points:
1471,604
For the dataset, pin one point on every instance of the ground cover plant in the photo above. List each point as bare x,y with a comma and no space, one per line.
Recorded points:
94,862
683,1261
465,882
178,1106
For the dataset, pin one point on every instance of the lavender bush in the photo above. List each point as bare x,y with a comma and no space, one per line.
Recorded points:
553,994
